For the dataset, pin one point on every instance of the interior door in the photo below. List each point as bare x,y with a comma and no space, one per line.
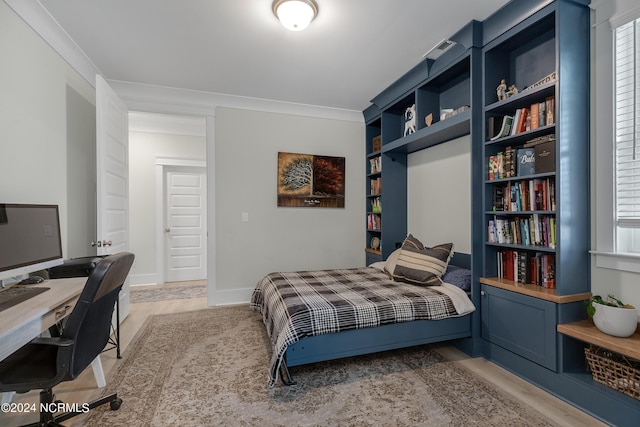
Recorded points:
112,164
185,219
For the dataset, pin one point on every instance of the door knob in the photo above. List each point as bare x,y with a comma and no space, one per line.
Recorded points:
167,229
106,243
98,244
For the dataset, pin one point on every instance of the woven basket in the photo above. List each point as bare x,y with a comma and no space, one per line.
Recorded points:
614,370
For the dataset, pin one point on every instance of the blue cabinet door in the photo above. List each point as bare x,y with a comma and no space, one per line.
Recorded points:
521,324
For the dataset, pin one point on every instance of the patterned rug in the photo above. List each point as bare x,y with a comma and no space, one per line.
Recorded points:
167,292
209,368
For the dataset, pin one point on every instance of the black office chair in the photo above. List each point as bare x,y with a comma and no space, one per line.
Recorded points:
46,362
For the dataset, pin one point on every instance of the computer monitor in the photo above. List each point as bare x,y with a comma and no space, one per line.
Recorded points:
29,239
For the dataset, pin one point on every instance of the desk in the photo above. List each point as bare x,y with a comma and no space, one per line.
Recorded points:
24,321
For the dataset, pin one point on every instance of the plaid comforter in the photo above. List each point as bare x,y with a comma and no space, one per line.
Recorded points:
300,304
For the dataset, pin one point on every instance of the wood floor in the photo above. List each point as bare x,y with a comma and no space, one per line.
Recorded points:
84,388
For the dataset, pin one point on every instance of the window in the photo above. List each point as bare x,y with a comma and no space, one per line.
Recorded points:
615,183
627,136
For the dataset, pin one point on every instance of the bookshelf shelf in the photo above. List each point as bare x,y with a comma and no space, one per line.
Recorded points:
586,331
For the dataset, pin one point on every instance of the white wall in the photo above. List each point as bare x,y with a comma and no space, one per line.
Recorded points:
144,149
439,194
277,238
39,128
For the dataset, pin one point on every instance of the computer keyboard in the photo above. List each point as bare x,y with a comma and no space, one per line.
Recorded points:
17,294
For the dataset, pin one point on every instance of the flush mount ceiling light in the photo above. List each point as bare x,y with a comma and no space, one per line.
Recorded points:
295,15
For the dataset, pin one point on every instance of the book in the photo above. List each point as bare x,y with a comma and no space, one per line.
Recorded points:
550,108
516,121
545,154
526,161
522,120
505,129
535,116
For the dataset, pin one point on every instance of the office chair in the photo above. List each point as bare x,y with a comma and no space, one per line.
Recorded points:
46,362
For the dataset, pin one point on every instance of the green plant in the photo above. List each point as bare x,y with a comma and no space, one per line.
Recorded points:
611,301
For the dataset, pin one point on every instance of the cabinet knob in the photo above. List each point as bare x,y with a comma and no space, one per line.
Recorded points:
168,229
482,293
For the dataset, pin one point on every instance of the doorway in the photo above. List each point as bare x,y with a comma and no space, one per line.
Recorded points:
159,143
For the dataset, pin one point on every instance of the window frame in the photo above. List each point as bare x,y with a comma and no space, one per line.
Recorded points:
607,18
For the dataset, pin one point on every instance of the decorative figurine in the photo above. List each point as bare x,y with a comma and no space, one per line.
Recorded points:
410,120
512,91
501,90
428,119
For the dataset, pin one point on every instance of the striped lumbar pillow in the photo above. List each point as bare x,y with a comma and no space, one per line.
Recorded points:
422,266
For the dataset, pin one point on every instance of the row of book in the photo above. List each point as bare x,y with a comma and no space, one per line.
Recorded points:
376,186
527,267
538,194
524,119
531,230
376,205
374,222
375,164
512,162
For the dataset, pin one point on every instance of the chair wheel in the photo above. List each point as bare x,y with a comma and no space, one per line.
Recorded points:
115,404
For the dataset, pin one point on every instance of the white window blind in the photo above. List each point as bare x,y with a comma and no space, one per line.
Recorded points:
627,126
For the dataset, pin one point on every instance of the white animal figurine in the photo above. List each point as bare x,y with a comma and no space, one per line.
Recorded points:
410,120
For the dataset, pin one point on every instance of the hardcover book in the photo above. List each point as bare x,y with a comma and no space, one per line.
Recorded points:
526,161
545,154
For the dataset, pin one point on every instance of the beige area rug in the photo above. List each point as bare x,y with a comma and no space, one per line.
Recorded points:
153,293
209,368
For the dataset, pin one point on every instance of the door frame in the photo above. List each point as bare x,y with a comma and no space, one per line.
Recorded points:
162,164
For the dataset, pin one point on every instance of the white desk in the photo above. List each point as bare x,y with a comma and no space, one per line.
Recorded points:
28,319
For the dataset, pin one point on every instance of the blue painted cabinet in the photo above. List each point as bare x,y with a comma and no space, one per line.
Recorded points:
521,324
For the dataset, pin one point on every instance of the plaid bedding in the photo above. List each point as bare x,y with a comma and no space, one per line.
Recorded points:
300,304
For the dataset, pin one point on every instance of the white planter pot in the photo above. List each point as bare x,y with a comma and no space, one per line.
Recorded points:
616,321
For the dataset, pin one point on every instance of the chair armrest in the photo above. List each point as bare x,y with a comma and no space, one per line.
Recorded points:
56,341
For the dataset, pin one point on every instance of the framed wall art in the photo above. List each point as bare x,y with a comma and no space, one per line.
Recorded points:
307,180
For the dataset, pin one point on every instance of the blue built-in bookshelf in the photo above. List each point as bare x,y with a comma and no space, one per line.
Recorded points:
542,48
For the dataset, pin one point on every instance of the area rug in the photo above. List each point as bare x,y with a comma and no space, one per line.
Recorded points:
167,292
209,368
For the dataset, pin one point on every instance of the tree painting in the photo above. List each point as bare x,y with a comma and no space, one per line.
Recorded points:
309,180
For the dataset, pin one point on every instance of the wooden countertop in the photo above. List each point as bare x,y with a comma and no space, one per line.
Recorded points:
534,291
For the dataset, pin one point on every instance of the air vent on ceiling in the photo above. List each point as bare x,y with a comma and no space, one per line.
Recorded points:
440,48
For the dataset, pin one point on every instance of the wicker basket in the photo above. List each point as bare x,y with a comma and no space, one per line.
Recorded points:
614,370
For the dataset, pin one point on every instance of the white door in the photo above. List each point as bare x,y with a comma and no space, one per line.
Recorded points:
185,224
112,139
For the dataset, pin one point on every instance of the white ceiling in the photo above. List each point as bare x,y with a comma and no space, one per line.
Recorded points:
352,51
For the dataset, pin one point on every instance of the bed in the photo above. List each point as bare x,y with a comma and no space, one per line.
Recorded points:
313,316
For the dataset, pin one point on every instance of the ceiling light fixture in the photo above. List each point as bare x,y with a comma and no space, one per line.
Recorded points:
295,15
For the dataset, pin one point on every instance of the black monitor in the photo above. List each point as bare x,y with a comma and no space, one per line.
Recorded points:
29,239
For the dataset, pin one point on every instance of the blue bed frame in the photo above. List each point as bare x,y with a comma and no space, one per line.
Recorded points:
357,342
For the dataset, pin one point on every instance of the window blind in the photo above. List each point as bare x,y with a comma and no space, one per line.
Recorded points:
627,124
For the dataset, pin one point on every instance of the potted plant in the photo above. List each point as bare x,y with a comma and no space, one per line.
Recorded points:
612,316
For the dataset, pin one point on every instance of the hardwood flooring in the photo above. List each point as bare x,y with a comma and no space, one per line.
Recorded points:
84,388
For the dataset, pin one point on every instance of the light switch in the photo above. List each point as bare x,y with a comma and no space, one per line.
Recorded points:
245,216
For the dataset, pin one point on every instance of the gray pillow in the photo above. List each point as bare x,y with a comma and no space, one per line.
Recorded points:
420,265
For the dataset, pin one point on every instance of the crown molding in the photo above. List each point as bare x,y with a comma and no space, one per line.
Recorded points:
167,100
37,17
159,99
